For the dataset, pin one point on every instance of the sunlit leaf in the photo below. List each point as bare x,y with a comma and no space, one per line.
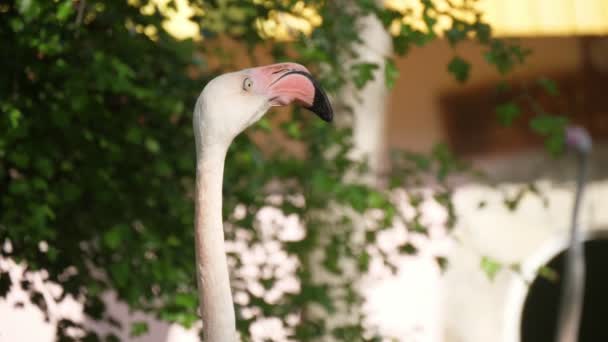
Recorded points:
490,266
391,73
64,10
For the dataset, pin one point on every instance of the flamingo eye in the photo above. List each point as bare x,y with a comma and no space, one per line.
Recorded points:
247,84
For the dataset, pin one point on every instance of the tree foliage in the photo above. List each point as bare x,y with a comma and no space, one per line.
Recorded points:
97,156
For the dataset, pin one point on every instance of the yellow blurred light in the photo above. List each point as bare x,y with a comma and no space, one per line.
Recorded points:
284,26
521,17
506,17
546,17
178,23
150,31
279,25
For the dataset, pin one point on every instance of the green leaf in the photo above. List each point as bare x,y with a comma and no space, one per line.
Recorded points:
459,68
172,240
14,116
120,274
134,135
45,167
548,85
516,267
17,24
507,113
39,184
363,261
442,262
548,124
429,21
113,237
152,145
505,56
503,87
138,328
555,143
64,10
388,16
29,8
111,337
490,267
483,32
512,202
332,256
422,162
187,300
401,45
368,5
293,130
363,73
408,248
375,199
455,34
548,273
391,73
264,125
317,293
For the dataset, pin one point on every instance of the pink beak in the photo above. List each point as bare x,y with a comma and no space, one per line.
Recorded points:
285,83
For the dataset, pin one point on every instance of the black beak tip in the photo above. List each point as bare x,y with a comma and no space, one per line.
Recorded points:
321,105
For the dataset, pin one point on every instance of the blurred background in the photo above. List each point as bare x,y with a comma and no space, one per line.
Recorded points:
436,208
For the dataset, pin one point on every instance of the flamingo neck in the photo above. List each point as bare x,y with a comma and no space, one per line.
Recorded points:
212,269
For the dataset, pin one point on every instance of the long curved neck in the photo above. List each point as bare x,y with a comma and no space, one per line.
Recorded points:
212,269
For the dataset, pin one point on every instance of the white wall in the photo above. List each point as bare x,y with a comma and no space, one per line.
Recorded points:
477,309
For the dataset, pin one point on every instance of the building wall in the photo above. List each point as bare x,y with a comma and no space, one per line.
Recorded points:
414,120
474,308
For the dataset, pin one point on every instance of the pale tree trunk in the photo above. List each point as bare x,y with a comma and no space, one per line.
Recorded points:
367,108
369,104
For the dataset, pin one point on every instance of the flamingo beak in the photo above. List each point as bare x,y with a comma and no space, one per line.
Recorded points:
290,82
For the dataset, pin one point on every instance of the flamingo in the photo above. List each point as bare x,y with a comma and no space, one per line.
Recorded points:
573,290
227,106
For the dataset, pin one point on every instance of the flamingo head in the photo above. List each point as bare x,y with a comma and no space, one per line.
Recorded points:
232,102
